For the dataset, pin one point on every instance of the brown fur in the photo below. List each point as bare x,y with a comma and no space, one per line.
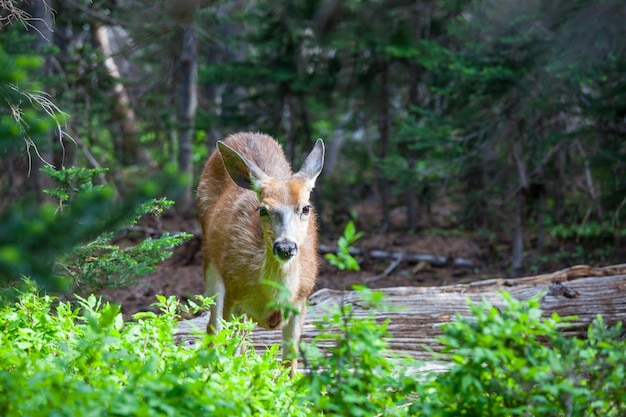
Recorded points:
238,243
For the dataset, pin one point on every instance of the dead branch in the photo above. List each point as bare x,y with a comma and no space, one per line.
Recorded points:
433,260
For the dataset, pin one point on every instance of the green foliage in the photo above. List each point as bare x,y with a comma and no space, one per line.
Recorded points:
100,263
34,238
513,361
69,246
456,89
343,259
60,359
590,232
25,115
72,181
356,376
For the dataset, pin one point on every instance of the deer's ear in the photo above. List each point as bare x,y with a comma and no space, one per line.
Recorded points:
312,166
243,172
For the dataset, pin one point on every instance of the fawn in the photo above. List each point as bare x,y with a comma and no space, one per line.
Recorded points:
258,225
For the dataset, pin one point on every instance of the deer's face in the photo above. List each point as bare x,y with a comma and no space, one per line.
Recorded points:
285,213
284,205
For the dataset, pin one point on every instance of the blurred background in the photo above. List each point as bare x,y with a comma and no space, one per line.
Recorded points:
489,133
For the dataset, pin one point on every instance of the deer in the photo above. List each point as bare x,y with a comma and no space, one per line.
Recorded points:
259,235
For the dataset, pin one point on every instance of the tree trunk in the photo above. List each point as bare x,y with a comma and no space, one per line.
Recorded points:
333,146
518,212
304,119
417,313
560,187
411,189
541,217
383,134
518,232
475,213
290,126
411,197
414,76
127,146
188,102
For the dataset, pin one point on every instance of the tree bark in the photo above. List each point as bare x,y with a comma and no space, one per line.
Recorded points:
518,232
127,145
541,216
560,186
414,77
333,146
518,212
290,125
383,135
417,313
188,102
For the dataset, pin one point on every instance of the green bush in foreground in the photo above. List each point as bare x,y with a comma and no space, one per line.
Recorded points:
86,361
89,362
356,376
514,362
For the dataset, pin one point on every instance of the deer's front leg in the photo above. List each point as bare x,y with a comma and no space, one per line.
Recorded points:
215,287
291,336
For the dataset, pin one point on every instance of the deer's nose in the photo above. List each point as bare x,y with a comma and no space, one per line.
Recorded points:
285,249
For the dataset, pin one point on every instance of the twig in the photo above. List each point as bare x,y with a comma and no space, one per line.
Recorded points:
387,271
615,221
589,179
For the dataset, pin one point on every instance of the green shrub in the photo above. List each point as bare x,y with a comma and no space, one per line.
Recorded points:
71,247
343,259
87,361
515,362
56,359
358,375
99,263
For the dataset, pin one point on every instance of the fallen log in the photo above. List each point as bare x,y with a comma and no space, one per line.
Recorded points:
434,260
418,312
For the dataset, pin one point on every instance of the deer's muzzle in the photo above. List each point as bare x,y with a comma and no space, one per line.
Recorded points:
285,249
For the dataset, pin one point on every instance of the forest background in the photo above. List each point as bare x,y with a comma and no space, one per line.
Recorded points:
498,123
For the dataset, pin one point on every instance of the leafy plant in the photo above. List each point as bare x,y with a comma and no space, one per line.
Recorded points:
26,114
72,181
588,232
344,259
357,375
87,361
35,236
514,361
100,263
38,241
59,359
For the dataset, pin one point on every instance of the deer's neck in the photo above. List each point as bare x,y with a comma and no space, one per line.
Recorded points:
286,274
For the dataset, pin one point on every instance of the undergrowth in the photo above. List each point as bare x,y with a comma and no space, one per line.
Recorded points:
60,359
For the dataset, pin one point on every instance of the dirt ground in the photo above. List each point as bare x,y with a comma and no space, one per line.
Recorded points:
181,275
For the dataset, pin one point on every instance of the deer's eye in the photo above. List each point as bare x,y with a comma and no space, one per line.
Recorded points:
306,210
263,212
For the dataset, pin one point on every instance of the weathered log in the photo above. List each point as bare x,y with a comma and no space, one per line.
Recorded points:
418,312
434,260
